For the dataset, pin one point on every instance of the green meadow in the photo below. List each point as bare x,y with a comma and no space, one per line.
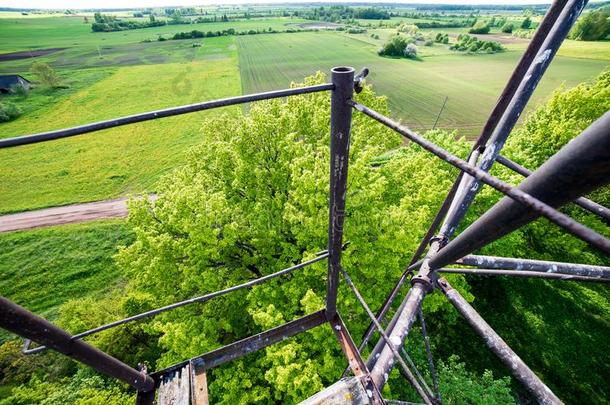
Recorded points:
41,269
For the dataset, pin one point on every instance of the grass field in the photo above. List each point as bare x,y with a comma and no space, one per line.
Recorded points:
39,33
416,89
44,268
118,161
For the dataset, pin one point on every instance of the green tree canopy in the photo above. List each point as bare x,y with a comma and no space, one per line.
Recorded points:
592,26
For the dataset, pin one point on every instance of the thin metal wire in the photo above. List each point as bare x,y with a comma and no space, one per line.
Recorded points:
385,337
202,298
420,377
431,367
574,227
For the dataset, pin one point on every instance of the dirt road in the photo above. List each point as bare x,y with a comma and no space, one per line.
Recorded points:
67,214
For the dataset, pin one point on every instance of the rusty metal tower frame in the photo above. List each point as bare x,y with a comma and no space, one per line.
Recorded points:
578,168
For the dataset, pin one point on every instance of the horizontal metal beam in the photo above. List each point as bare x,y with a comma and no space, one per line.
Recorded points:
532,203
523,273
582,202
581,166
22,322
509,263
498,346
203,298
248,345
153,115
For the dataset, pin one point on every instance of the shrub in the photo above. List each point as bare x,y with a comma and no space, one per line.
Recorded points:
526,24
593,26
480,27
471,44
508,28
20,91
411,51
8,112
46,74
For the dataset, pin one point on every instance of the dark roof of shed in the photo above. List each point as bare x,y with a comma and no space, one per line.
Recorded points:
9,80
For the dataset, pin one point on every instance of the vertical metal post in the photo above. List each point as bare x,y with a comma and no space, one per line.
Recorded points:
19,320
514,363
340,125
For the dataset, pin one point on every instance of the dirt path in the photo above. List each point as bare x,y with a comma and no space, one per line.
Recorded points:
67,214
28,54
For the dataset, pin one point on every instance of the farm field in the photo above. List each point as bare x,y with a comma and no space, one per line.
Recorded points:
38,33
416,89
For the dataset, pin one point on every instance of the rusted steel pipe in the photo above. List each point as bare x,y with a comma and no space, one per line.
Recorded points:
578,229
509,263
580,167
340,127
517,367
522,273
524,91
517,76
22,322
382,359
379,381
582,202
153,115
200,299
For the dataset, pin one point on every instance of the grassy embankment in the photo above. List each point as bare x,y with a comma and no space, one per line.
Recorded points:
41,269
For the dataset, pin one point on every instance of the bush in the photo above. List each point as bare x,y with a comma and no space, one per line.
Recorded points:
470,44
526,24
593,26
508,28
441,38
45,74
8,112
20,91
397,46
411,51
480,27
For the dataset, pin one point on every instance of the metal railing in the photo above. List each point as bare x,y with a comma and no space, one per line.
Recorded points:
578,168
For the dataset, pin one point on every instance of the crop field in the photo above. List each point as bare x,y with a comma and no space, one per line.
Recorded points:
416,89
39,33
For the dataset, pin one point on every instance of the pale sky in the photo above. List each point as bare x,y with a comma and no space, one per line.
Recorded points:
84,4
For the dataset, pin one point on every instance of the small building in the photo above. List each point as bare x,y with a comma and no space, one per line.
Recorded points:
7,82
